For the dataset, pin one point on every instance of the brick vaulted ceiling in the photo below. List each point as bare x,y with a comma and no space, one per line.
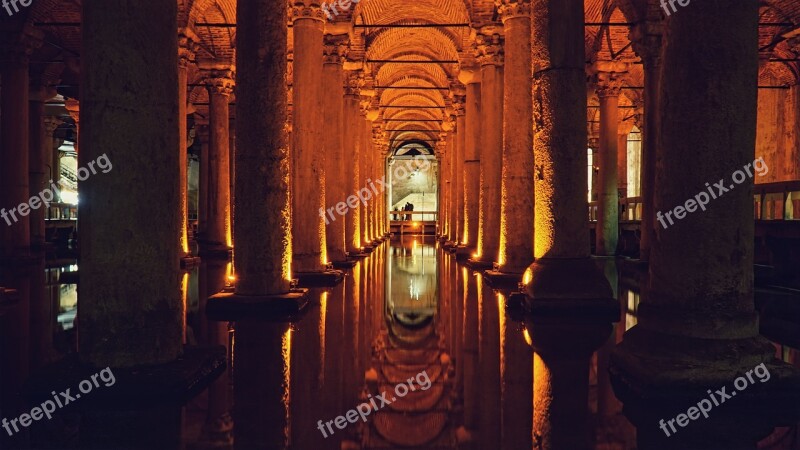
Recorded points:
373,47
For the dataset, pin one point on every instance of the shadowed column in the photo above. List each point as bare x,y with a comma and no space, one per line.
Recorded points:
186,40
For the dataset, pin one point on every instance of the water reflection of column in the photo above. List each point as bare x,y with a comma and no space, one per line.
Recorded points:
516,377
489,369
306,375
15,346
351,341
607,403
261,384
41,313
336,351
470,344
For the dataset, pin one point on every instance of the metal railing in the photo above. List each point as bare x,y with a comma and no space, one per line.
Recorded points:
630,210
777,201
413,216
61,211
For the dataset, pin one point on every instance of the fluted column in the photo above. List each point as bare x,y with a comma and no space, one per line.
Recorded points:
516,216
14,146
218,239
608,78
186,55
335,164
472,162
351,174
698,307
490,58
308,163
568,319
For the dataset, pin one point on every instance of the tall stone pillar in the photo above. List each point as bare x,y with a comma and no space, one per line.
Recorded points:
622,163
202,134
73,107
365,136
335,164
14,145
186,40
130,321
490,58
608,78
444,155
352,167
218,236
461,126
646,38
308,163
41,147
455,182
516,208
568,319
263,259
697,307
472,162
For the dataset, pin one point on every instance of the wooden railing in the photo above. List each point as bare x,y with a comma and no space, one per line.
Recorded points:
62,211
777,201
630,210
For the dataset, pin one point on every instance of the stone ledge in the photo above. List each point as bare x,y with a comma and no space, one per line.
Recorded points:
229,306
502,280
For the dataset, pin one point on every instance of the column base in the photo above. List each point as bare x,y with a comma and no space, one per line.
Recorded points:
357,254
345,264
367,248
189,262
464,252
656,386
215,251
327,278
502,280
229,306
479,264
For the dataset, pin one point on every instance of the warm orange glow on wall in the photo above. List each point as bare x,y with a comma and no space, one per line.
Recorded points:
527,276
323,314
286,353
184,303
527,336
501,307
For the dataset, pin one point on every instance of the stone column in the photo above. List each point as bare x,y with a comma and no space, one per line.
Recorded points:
697,307
365,136
608,78
14,145
217,240
490,58
444,156
622,163
186,40
646,39
472,162
455,181
568,320
461,126
352,169
73,107
130,321
41,147
308,163
516,216
335,164
202,135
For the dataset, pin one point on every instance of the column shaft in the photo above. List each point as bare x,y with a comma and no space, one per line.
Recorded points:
455,181
130,321
516,217
472,164
308,163
491,149
335,166
352,220
218,232
607,231
262,227
461,125
185,55
36,161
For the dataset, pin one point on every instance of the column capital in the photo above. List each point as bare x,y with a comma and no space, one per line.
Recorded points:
51,123
458,105
608,77
334,50
299,12
351,85
646,38
17,45
219,81
513,9
490,46
186,47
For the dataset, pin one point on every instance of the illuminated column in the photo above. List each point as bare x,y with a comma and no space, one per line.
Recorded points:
443,156
455,181
352,172
128,216
516,216
14,145
308,163
490,57
335,164
646,39
365,136
217,239
202,135
698,305
567,320
461,126
608,78
472,163
186,40
622,162
41,147
375,202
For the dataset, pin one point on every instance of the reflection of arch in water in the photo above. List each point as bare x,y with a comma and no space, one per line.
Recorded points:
412,284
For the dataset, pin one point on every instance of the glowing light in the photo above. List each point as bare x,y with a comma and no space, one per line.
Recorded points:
184,303
527,276
527,336
323,314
